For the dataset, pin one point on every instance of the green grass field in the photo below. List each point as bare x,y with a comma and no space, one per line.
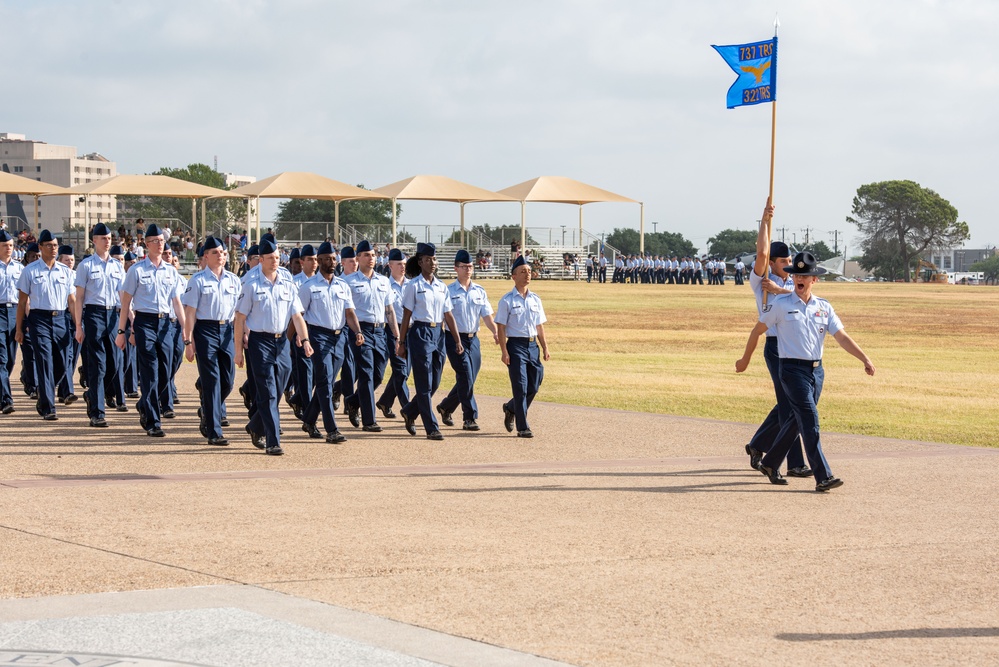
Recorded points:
672,350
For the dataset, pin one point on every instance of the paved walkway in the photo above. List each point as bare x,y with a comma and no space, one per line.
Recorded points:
612,538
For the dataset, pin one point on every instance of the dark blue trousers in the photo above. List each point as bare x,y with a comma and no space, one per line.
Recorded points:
370,360
168,388
345,385
327,358
72,354
215,352
396,386
271,368
466,369
49,342
99,329
28,376
766,434
425,345
803,387
154,359
131,373
526,375
302,375
8,351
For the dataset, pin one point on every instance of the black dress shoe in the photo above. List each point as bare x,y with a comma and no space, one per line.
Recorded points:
72,398
218,442
410,424
98,422
312,431
133,394
386,411
7,409
755,456
121,408
800,471
335,399
258,440
201,413
526,433
297,409
445,416
335,438
50,417
469,425
33,395
168,414
202,429
372,428
287,398
435,435
354,415
224,423
831,483
274,451
156,433
508,419
773,475
246,398
176,401
142,420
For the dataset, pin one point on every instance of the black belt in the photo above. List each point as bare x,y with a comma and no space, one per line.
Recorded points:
372,325
426,324
158,316
810,363
325,330
773,337
94,306
48,313
8,305
221,323
469,335
267,334
525,339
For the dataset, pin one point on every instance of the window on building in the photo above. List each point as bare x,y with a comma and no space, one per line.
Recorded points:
76,170
88,170
18,170
946,263
76,181
77,215
38,169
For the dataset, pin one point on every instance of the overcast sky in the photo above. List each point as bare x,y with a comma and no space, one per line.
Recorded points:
624,95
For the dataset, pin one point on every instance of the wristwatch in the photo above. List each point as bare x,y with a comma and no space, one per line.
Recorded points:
121,331
186,343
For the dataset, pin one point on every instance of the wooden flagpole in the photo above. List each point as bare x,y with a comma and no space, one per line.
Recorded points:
773,145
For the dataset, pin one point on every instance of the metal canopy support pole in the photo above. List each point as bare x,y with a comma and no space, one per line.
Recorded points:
523,228
580,224
336,222
194,215
249,238
257,212
641,229
86,218
462,224
36,216
204,221
394,235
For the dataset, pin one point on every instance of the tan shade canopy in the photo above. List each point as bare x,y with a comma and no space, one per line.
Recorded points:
439,188
561,190
19,185
148,185
305,185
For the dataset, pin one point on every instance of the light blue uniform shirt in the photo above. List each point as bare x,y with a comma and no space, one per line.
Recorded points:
152,288
801,327
427,301
213,298
756,283
101,281
269,306
9,273
520,315
371,297
468,307
397,291
325,302
300,278
47,289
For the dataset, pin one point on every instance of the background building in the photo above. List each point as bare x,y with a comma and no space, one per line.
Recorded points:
958,259
58,165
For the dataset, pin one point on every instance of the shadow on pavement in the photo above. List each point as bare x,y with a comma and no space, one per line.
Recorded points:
913,633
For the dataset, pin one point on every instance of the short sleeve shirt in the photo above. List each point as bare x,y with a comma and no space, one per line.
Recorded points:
801,327
9,274
213,297
371,296
269,306
325,302
152,287
101,281
468,306
426,300
47,289
756,284
521,315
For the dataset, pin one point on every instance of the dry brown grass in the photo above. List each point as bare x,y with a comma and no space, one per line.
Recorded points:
672,349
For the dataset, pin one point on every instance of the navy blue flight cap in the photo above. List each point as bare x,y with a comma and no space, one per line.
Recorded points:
253,251
153,230
395,255
426,249
115,251
4,236
200,252
45,236
32,247
100,229
325,248
520,261
294,254
66,250
129,256
308,250
779,249
462,257
269,237
363,246
267,247
346,252
211,243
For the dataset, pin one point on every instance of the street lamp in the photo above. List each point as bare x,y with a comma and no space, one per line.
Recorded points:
654,224
563,235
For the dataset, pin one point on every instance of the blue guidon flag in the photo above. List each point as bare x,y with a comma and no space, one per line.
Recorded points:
756,65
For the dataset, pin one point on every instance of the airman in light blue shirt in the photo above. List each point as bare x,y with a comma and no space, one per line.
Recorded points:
326,302
47,288
101,281
371,296
269,306
428,301
521,315
152,287
468,307
213,297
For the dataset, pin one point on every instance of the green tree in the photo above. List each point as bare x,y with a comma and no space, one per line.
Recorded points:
900,220
662,243
730,243
990,267
220,213
881,259
501,235
821,251
368,216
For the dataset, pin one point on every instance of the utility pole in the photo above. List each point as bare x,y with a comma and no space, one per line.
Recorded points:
794,239
835,234
782,231
807,231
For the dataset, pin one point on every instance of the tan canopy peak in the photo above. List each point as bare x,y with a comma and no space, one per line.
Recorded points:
305,185
561,190
148,185
12,184
439,188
